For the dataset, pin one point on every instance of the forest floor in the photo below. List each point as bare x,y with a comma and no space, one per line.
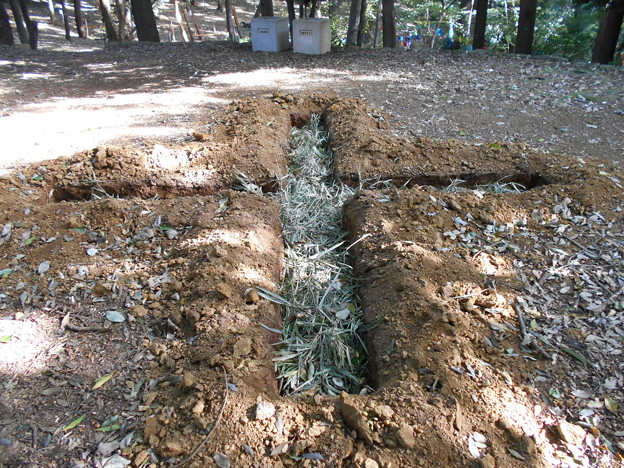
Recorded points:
490,255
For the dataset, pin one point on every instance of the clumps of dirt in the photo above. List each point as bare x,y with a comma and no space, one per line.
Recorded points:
444,275
366,151
497,317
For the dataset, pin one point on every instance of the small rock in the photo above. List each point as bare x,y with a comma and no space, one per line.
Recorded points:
189,381
454,205
405,436
224,290
199,407
74,222
171,446
488,461
201,136
571,433
384,411
354,419
487,218
370,463
138,311
265,410
508,426
242,347
251,295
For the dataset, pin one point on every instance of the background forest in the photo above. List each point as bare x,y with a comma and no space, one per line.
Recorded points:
574,29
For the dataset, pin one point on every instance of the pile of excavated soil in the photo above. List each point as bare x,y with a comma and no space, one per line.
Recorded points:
132,329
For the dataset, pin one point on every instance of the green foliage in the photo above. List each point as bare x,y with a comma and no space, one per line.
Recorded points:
566,29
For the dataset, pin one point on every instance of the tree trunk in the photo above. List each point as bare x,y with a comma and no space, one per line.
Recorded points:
66,21
25,15
480,23
19,21
33,34
121,16
526,27
290,6
437,26
388,23
51,11
219,6
352,28
111,34
6,33
363,22
80,23
608,32
377,22
144,20
265,8
228,20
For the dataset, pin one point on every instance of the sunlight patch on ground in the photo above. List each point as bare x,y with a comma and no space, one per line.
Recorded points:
63,127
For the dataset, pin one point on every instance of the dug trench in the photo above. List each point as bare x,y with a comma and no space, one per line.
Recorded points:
462,358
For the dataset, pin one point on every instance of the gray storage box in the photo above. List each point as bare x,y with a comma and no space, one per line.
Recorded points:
270,34
311,35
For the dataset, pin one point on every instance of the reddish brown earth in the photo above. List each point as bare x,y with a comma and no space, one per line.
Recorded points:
158,233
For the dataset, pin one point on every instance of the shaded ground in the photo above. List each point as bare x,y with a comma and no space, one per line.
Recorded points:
130,316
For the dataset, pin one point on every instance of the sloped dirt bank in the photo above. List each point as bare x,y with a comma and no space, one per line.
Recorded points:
445,276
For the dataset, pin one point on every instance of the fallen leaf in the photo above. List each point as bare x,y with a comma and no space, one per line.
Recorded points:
6,272
114,316
74,423
6,339
102,380
221,460
611,405
43,267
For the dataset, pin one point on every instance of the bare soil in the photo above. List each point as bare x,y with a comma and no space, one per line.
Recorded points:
131,326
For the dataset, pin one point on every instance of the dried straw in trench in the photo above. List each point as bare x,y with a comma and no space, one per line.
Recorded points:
321,348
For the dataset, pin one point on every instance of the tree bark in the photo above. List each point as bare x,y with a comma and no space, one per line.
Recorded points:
80,22
526,27
388,23
33,34
377,22
111,34
19,21
219,6
121,16
66,20
363,22
144,20
265,8
352,28
6,33
478,41
290,6
228,20
51,11
608,32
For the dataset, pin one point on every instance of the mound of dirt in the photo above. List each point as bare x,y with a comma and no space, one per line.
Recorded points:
133,273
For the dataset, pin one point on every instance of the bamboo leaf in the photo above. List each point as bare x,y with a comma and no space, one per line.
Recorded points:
102,380
74,423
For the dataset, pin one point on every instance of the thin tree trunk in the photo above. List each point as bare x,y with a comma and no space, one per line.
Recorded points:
178,18
188,25
388,24
526,27
377,23
433,38
608,32
219,6
236,22
228,20
19,21
31,26
313,9
468,31
144,20
121,16
111,34
362,25
51,12
6,33
352,28
66,21
80,23
199,34
290,6
480,23
265,8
